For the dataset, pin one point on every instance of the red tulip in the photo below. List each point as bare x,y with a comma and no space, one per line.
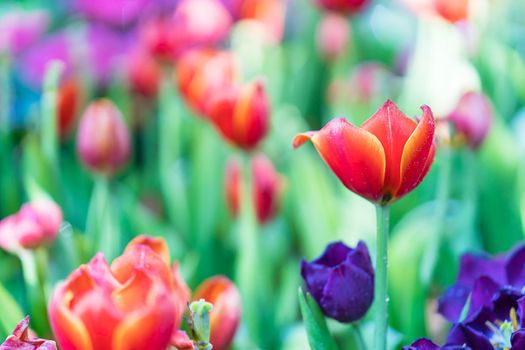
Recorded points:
472,118
268,14
452,10
241,114
200,73
332,36
342,6
130,305
144,74
226,312
384,159
69,95
266,187
232,185
103,140
36,223
195,23
22,340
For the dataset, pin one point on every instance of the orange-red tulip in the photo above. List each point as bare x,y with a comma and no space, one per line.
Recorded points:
201,73
232,185
384,159
241,114
180,288
128,306
452,10
226,312
69,95
103,140
268,14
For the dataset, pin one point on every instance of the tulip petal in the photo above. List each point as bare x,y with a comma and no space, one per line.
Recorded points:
348,293
418,154
68,329
148,328
250,119
393,129
158,245
355,155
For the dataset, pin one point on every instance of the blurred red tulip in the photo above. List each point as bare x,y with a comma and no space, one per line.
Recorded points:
21,339
241,114
342,6
144,74
367,80
269,14
200,73
130,305
384,159
35,224
195,23
232,185
452,10
69,96
266,187
103,140
332,36
472,118
226,313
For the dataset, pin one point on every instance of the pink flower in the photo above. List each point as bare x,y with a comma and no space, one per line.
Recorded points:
35,224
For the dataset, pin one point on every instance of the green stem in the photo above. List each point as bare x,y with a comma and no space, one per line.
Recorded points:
49,137
358,337
5,95
470,196
381,293
248,254
35,292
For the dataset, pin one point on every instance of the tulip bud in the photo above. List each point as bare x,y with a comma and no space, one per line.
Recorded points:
128,305
266,188
22,340
472,118
200,73
226,313
103,141
367,81
332,36
241,114
233,179
35,224
341,280
69,95
342,6
144,75
452,10
157,36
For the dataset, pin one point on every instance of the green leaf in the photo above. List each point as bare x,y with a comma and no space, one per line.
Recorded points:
318,335
11,313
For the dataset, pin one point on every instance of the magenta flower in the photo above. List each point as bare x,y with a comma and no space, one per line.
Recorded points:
20,339
35,224
20,29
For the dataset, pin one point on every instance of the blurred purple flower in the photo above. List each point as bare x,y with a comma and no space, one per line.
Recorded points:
341,280
425,344
113,12
33,63
20,29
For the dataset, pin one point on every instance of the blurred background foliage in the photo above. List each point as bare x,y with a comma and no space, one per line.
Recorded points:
173,186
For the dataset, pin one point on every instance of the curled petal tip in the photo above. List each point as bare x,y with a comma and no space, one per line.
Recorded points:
301,138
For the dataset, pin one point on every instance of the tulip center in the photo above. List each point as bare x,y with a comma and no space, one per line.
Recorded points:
501,335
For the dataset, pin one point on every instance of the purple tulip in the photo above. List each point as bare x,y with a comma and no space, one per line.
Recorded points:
114,12
20,29
425,344
341,280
